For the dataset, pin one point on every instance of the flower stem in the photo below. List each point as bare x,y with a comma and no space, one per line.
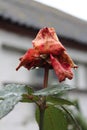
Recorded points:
46,77
42,106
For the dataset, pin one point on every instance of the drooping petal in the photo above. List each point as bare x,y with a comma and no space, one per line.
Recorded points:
63,70
47,42
64,57
29,58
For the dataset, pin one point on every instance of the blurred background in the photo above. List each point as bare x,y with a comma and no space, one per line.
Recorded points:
19,23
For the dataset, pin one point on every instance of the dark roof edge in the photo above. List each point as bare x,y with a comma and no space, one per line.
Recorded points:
36,15
9,25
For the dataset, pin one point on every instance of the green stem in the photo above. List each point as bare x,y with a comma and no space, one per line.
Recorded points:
41,125
42,106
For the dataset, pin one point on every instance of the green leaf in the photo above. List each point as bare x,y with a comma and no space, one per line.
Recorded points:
13,89
53,90
72,117
52,100
10,95
8,104
54,119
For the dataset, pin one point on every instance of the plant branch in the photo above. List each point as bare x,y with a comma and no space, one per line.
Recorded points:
42,112
42,105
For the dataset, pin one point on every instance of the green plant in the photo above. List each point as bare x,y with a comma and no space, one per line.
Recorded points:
47,53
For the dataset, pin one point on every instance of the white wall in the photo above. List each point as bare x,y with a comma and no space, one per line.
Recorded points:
10,59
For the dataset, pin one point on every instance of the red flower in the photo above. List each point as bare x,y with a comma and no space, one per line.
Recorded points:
47,50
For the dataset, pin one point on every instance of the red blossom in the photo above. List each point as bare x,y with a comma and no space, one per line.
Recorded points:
48,51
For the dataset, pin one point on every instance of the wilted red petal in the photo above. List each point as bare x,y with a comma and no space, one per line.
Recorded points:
47,42
48,51
63,70
28,59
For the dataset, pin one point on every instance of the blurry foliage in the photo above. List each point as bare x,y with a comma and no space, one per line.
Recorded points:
57,113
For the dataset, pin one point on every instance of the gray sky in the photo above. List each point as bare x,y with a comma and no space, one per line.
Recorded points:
77,8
